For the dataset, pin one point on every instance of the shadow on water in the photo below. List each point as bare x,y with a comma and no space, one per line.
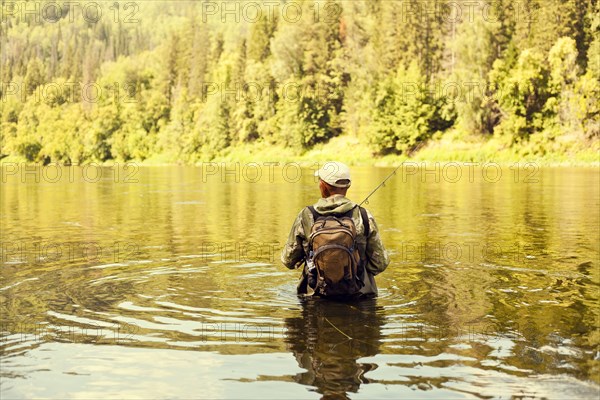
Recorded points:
329,338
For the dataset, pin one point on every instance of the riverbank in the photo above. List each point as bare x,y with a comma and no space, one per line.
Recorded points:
569,151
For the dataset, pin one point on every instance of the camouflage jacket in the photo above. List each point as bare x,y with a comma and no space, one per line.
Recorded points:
294,252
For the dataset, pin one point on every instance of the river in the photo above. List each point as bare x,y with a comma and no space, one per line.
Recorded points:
156,282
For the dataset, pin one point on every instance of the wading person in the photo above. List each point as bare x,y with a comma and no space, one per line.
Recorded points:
336,241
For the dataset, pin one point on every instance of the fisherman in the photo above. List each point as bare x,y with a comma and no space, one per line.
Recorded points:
336,241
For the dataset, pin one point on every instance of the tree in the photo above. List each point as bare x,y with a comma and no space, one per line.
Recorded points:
405,112
522,93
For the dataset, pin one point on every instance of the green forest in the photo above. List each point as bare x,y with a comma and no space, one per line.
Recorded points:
185,82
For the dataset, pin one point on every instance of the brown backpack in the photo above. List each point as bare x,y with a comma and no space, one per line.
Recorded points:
334,254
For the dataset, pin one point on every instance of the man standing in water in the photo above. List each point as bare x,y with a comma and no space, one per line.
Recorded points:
332,267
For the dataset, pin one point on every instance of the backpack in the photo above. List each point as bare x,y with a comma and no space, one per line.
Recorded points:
334,264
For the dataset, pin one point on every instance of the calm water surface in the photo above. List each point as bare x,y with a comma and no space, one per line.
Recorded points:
165,282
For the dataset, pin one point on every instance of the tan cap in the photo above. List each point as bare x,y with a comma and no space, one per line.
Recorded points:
332,172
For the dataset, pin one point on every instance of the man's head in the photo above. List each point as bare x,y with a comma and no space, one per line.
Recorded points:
334,178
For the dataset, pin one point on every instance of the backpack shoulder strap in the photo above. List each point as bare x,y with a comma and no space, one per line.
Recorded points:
314,213
365,219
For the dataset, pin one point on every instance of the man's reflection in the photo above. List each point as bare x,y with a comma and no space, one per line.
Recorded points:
329,338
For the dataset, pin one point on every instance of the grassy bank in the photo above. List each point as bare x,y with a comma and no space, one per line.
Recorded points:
448,148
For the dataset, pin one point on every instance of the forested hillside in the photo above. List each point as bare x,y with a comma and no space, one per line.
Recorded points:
186,80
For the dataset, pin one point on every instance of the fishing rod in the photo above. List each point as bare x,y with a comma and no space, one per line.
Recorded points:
414,150
366,200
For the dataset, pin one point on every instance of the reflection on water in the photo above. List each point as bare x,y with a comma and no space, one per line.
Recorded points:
329,338
170,286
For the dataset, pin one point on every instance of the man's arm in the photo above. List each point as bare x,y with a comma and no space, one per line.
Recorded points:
377,256
292,254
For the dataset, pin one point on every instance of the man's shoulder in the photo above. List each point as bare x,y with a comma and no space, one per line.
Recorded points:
305,212
304,218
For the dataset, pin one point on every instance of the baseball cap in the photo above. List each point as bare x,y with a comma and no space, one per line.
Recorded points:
335,174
